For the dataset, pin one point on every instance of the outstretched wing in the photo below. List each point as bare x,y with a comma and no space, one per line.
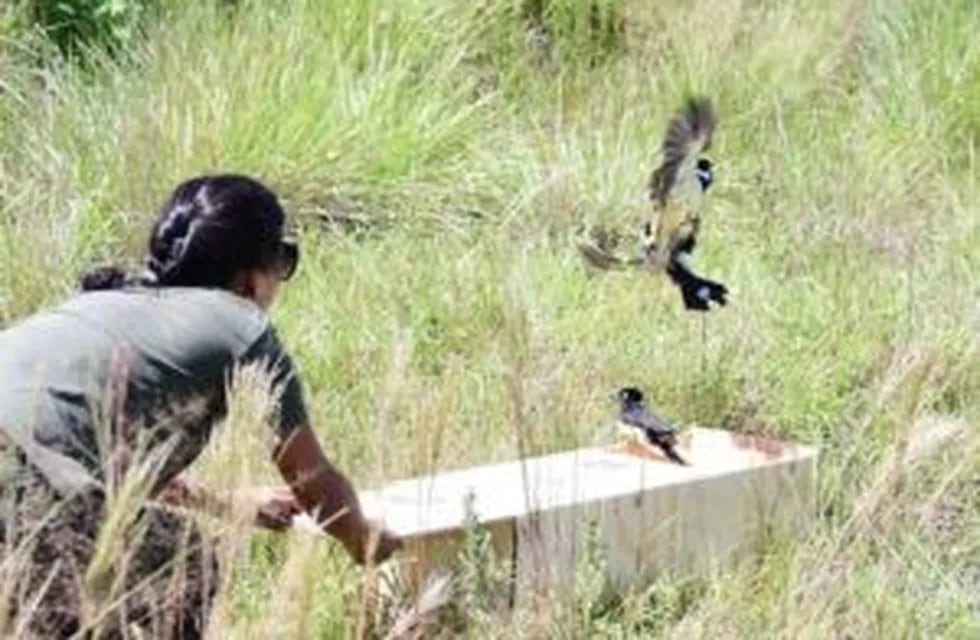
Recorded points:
674,186
600,259
598,251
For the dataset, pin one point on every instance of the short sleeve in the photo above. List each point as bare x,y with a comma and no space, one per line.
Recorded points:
268,350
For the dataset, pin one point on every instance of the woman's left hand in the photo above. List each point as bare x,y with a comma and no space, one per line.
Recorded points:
275,507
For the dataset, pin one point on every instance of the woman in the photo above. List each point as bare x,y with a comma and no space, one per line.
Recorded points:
130,376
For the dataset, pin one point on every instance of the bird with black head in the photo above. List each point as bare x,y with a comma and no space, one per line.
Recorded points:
676,188
635,417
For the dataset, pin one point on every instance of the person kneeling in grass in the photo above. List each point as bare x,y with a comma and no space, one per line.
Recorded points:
150,356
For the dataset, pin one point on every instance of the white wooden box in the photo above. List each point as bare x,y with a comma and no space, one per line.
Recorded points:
651,515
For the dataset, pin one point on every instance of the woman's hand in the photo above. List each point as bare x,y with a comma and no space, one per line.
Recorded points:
275,507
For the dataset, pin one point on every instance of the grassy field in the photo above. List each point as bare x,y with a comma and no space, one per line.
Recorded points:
450,316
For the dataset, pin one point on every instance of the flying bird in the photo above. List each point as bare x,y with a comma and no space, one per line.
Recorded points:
677,185
635,415
676,188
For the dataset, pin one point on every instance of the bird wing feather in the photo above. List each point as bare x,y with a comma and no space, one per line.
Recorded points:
598,258
646,419
674,186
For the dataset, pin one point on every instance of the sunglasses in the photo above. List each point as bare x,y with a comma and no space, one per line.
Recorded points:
286,258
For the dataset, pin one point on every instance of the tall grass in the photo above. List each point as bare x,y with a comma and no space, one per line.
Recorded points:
470,152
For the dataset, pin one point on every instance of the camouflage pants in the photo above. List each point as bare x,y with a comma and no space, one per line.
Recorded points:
160,584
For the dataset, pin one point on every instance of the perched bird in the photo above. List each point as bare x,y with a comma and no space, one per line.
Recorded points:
676,188
657,432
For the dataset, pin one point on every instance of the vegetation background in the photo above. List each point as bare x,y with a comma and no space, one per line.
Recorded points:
440,158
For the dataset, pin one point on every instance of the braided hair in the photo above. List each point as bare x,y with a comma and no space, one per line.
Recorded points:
209,229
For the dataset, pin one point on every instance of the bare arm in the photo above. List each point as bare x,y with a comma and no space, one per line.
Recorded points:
314,486
324,492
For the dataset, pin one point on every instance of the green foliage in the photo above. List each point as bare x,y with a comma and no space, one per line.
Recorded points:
12,19
75,25
589,30
483,579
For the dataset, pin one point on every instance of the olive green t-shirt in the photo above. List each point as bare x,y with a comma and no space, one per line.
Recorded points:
139,365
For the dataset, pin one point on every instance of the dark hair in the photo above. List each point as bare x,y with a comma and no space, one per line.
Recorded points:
210,228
